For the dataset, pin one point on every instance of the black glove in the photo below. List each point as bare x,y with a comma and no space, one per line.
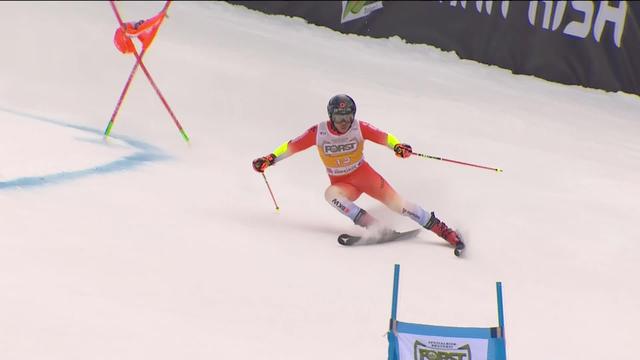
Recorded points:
262,163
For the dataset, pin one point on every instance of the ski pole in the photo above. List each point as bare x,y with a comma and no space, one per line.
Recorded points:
270,192
455,161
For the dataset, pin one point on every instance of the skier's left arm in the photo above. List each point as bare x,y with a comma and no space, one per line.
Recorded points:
300,143
288,148
372,133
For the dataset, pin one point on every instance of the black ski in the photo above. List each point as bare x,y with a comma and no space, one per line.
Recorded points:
349,240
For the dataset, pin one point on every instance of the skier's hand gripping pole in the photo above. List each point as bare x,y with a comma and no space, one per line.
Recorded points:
455,161
403,150
260,165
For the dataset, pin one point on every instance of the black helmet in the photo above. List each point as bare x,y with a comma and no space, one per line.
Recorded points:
341,104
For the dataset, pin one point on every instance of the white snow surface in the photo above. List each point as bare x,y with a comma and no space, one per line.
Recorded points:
143,247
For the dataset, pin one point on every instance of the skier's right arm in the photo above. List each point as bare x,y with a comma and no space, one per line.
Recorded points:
302,142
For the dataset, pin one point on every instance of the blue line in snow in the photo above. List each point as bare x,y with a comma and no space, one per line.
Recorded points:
146,153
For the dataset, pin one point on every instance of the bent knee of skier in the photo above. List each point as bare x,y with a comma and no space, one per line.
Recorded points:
344,190
390,199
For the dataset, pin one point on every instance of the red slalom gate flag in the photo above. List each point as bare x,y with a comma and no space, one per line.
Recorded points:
144,30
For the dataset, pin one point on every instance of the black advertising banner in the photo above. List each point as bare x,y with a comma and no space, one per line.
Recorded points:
590,43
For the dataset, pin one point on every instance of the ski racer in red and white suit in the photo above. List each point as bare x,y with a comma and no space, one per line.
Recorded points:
340,144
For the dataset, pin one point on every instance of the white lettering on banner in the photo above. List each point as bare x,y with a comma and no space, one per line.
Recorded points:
505,8
454,3
554,13
617,16
533,11
606,13
488,5
577,28
561,6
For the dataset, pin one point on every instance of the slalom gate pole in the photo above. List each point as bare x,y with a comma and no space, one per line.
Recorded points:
394,299
500,306
502,347
166,105
270,192
107,132
456,162
148,75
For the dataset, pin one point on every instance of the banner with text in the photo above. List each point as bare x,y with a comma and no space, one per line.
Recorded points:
590,43
426,342
408,341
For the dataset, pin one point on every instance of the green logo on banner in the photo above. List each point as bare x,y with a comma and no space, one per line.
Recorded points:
356,9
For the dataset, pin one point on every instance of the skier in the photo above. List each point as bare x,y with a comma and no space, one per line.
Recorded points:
340,142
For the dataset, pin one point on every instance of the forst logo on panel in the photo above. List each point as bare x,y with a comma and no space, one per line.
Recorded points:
424,352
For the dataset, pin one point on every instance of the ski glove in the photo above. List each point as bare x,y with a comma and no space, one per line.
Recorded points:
402,150
262,163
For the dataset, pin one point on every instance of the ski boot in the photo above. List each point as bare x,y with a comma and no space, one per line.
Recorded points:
442,230
364,219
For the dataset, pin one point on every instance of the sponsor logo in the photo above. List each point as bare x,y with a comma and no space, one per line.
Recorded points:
340,206
332,149
352,10
344,170
587,17
441,351
412,214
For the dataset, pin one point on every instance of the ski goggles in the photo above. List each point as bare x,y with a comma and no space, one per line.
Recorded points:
342,119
